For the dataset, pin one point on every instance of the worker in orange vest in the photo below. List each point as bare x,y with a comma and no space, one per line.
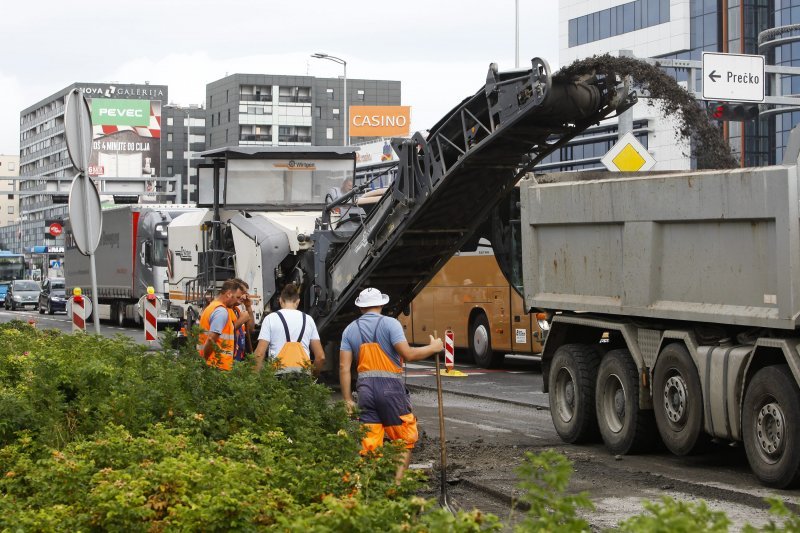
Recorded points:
381,350
291,337
216,341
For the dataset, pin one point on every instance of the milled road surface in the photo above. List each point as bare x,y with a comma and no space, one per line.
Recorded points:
487,439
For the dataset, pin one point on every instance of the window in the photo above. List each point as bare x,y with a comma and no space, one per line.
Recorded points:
169,154
335,114
169,137
212,120
360,95
330,93
169,121
11,210
226,95
12,167
229,115
329,133
169,170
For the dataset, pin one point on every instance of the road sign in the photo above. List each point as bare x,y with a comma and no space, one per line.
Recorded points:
78,129
85,217
55,229
628,155
736,77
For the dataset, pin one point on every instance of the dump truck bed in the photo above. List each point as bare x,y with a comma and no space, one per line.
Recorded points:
718,247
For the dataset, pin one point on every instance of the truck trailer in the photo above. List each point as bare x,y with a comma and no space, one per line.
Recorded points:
131,256
675,301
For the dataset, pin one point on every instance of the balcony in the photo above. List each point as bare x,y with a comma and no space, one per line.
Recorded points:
295,99
294,138
255,98
255,137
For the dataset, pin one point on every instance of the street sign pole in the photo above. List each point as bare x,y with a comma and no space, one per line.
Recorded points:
84,205
92,262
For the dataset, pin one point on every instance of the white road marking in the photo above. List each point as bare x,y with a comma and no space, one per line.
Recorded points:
484,427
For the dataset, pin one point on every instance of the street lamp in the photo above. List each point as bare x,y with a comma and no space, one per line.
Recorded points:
345,137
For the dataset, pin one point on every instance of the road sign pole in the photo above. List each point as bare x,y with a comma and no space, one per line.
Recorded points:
92,263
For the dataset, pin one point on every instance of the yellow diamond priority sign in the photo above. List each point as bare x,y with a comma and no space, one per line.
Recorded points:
628,155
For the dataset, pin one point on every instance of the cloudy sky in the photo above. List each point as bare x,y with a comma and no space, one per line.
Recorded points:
439,50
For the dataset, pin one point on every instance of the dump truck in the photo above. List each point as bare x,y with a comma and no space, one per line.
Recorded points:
131,256
674,302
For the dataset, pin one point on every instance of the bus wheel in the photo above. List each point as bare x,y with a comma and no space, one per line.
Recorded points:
678,401
771,426
573,372
480,343
625,427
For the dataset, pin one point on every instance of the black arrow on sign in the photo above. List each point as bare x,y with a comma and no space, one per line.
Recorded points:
714,76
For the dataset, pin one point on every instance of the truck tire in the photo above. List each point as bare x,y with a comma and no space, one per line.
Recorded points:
572,379
625,428
480,343
678,401
771,426
119,313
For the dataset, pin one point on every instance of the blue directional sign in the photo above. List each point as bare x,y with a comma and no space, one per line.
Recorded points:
733,77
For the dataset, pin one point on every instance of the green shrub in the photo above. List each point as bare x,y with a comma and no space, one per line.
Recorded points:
100,434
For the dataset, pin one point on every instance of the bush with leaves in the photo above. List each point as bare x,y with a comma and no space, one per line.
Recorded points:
100,434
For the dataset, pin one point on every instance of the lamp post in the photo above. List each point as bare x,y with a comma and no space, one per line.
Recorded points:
516,34
345,137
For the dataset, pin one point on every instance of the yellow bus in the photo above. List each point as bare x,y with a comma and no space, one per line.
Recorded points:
470,296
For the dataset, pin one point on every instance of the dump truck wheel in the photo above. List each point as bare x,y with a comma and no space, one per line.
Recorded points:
573,373
678,401
771,426
625,428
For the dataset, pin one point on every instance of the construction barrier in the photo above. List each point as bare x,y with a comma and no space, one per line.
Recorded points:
150,307
450,356
76,308
449,350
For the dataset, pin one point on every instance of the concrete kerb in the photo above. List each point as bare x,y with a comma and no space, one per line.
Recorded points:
480,397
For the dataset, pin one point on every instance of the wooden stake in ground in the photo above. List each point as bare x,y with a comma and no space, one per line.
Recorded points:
442,446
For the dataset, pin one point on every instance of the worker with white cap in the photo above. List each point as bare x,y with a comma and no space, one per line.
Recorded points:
381,349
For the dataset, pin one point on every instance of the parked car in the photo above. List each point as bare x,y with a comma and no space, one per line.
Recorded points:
4,289
23,293
53,296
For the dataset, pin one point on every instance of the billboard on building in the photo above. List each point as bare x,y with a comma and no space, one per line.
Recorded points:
379,120
126,138
375,153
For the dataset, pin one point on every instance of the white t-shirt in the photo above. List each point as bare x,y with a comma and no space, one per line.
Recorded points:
272,330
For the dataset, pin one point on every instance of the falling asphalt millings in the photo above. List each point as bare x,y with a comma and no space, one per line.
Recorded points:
672,100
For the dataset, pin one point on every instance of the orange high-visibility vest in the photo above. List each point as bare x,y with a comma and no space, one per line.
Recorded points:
292,356
372,360
226,339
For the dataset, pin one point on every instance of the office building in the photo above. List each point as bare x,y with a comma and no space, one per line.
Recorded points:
682,29
182,125
9,200
273,110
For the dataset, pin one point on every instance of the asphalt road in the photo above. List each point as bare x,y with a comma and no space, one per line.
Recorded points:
493,417
63,323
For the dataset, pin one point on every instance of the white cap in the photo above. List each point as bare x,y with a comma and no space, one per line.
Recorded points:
372,297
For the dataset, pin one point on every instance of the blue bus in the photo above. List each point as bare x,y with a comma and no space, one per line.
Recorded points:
12,266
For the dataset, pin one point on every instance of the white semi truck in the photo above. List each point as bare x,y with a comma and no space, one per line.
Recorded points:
675,304
131,256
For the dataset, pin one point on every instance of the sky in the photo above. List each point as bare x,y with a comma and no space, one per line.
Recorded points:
439,50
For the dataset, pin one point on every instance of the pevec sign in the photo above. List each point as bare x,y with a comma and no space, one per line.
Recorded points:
379,120
121,112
